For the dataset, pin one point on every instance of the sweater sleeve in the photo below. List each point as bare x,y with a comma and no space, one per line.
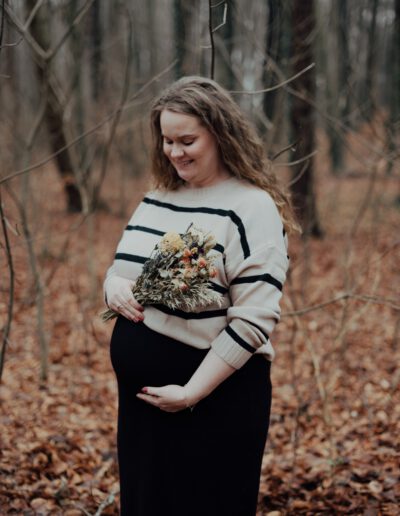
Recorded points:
255,283
255,291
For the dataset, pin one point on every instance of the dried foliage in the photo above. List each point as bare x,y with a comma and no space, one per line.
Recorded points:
333,444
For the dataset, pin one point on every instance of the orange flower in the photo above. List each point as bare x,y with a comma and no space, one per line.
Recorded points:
202,263
213,272
187,252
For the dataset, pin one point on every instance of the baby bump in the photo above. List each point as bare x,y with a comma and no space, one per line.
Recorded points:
140,356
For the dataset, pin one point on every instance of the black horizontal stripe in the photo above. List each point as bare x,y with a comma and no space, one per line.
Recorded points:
212,211
218,247
131,257
259,329
145,230
206,314
218,288
260,277
237,338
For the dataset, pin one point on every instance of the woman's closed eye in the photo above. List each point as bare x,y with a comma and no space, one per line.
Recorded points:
184,142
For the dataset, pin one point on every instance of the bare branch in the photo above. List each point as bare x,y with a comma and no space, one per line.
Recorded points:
79,15
37,49
210,30
360,297
304,158
131,102
277,86
1,34
6,45
223,18
7,326
32,14
299,175
282,151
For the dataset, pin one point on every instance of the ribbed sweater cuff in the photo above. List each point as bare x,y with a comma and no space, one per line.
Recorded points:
230,351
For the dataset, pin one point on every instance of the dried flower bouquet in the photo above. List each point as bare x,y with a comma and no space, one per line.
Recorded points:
178,273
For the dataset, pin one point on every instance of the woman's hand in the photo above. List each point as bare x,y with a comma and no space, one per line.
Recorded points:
171,398
120,298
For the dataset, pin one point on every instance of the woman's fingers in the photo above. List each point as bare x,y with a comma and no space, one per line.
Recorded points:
121,300
127,309
170,398
134,304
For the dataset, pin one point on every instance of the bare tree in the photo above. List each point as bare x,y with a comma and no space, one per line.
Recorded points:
54,111
182,23
368,93
302,117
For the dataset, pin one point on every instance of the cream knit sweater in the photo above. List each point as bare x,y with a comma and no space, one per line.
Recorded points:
252,263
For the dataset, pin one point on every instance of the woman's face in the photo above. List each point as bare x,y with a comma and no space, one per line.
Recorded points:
191,149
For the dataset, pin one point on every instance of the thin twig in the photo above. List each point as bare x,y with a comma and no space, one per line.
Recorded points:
299,175
6,45
32,14
2,28
298,161
79,15
223,19
277,86
211,39
7,327
282,151
360,297
218,4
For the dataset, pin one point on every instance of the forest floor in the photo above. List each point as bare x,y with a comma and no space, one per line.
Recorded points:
333,445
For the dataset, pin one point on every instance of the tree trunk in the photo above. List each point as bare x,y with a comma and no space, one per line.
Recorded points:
182,22
370,72
273,50
302,117
338,86
224,47
96,52
395,96
53,113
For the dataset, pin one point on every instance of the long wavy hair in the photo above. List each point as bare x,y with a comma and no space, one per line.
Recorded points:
240,148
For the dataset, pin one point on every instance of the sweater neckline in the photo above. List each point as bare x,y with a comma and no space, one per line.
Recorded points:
202,192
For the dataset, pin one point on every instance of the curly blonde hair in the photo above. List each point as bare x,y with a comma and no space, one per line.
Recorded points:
241,149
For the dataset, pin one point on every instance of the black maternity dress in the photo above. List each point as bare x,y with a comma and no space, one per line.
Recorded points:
204,462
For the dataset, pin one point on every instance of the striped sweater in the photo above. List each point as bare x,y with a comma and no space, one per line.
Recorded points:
251,265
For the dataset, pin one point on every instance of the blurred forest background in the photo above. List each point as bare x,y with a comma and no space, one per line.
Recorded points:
320,79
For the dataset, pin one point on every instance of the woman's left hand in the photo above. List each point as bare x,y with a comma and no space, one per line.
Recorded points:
171,398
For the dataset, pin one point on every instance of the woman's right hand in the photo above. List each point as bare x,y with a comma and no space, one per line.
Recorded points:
120,298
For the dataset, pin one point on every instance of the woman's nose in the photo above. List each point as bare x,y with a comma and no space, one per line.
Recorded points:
176,151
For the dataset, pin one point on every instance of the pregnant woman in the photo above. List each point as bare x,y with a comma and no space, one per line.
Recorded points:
194,386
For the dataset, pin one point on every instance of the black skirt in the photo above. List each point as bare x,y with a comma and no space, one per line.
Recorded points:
188,463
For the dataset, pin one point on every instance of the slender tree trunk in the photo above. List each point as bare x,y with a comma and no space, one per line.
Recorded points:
224,48
96,53
54,113
338,87
302,117
395,100
182,22
273,51
370,72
